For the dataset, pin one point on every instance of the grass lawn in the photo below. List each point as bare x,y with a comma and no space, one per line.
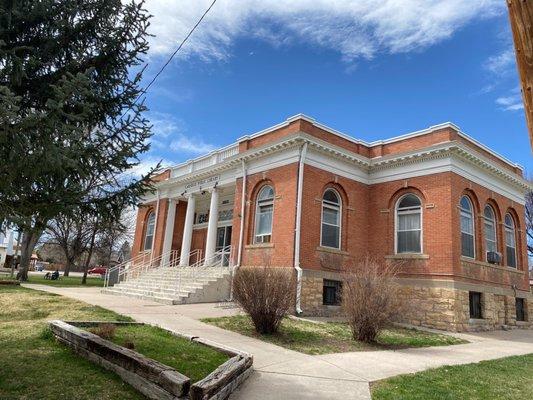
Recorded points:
314,338
189,358
34,366
505,379
65,281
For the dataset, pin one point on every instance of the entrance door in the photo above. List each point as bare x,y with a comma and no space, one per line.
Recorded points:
223,241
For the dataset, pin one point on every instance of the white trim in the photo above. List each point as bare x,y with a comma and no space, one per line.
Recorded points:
473,222
297,235
256,217
243,211
337,208
494,223
421,208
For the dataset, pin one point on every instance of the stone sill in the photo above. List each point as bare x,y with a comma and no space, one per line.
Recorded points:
467,260
523,323
331,250
259,246
477,321
407,256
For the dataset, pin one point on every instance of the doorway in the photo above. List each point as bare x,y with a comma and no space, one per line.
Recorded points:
223,242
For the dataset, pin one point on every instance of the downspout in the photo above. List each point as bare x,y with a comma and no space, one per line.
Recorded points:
241,232
243,209
297,267
155,226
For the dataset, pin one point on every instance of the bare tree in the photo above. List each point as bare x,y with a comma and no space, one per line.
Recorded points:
73,235
370,298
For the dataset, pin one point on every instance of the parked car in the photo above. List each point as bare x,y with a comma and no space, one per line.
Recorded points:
97,271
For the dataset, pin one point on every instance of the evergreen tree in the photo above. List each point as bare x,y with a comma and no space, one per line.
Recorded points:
70,126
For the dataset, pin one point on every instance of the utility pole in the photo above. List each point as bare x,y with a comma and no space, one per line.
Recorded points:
521,16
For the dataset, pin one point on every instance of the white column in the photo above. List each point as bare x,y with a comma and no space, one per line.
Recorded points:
211,241
169,230
187,231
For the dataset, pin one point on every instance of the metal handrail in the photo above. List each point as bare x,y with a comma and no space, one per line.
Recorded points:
202,266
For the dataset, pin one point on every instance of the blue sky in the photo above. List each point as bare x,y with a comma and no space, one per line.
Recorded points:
371,72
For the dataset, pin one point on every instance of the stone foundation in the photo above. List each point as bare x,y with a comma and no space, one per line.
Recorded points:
312,296
437,304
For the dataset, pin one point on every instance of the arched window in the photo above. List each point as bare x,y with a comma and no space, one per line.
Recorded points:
149,235
490,229
263,215
467,228
409,224
510,240
330,235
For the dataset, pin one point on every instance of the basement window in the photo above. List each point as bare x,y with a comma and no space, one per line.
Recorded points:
331,292
520,309
475,305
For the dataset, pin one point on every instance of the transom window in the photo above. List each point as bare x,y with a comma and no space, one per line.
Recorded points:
409,224
263,217
490,229
149,235
510,240
330,235
467,228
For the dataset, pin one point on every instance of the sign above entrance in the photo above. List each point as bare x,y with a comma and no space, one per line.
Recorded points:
201,182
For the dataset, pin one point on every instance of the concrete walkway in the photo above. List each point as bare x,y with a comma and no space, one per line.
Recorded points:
281,373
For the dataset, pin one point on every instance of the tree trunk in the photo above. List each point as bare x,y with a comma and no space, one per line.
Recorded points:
29,240
89,255
70,262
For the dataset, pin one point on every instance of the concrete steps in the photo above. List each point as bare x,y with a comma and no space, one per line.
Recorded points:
177,285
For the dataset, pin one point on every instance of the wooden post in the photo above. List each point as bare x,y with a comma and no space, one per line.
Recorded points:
521,16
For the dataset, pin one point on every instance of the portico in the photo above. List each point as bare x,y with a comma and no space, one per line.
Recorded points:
190,228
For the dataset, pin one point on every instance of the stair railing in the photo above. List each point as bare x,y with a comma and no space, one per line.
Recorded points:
139,265
221,259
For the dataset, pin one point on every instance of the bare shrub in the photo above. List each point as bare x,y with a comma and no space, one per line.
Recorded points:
105,331
265,294
371,298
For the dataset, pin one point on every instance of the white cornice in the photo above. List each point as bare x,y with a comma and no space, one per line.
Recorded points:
455,149
394,139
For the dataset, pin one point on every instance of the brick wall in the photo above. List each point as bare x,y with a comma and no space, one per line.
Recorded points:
280,252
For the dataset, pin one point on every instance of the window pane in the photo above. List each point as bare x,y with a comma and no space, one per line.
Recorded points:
267,193
409,242
509,238
409,201
408,221
330,216
466,223
467,245
331,197
264,221
511,256
330,236
490,233
148,242
465,203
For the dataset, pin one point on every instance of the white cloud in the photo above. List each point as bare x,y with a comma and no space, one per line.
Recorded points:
146,165
501,63
353,28
512,102
195,146
170,133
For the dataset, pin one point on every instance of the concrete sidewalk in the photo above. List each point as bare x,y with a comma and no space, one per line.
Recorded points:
281,373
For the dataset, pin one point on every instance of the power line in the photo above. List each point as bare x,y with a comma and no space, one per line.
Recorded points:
179,47
143,92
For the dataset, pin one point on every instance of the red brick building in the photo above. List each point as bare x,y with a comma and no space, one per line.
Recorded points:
302,195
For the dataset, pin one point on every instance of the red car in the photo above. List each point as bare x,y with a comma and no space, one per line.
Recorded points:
98,270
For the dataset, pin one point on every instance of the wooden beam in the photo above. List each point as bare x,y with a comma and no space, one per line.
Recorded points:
521,16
